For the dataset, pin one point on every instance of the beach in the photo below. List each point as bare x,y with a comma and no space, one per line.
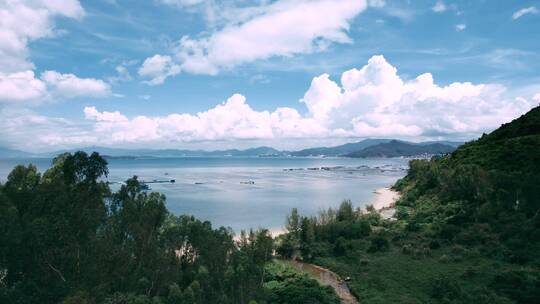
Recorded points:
385,198
383,202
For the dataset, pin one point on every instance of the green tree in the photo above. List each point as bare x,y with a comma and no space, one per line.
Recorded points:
292,224
345,212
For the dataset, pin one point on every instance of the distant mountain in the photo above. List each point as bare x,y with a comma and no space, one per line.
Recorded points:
114,152
12,153
339,150
444,142
396,148
259,151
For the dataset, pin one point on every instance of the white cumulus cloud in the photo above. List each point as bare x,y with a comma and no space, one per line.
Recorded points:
158,68
370,101
25,88
524,11
71,86
21,87
439,7
277,29
461,27
24,21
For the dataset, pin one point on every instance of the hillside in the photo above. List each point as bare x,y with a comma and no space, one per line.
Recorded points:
118,152
466,229
263,151
12,153
397,148
339,150
511,148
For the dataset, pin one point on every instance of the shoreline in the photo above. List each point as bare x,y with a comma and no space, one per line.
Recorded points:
383,202
385,198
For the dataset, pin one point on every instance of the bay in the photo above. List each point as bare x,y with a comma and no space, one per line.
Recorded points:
251,192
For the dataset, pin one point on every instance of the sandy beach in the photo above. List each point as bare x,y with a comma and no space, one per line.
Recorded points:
385,198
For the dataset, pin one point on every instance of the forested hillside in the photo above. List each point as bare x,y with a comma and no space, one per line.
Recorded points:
396,148
467,228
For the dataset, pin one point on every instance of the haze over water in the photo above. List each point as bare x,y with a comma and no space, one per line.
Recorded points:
220,189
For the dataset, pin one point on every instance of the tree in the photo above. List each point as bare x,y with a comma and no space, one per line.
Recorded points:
286,247
345,211
340,246
293,223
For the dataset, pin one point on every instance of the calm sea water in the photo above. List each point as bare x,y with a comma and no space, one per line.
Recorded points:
244,193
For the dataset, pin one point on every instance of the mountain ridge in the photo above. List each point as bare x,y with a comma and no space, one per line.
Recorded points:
260,151
397,148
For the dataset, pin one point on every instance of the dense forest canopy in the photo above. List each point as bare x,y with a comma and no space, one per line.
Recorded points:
66,238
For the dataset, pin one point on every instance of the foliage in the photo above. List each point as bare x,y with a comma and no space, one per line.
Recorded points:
466,230
66,238
286,285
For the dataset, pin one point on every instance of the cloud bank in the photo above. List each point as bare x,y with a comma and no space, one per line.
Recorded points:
278,29
367,102
22,22
25,89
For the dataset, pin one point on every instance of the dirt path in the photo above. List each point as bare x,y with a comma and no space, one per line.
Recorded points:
328,278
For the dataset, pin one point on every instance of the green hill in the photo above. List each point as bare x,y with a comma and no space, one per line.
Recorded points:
396,148
339,150
514,147
466,229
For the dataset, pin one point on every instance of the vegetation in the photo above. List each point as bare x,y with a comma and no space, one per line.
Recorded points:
467,228
65,237
396,148
286,285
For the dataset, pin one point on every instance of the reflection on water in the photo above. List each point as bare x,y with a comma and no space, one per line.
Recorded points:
247,193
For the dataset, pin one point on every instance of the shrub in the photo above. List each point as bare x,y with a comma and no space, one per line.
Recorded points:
444,288
477,234
340,247
286,248
434,244
460,250
444,259
401,213
448,232
523,286
421,253
412,226
378,243
359,229
470,272
407,249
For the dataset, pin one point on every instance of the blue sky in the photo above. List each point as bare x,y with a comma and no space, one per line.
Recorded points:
137,73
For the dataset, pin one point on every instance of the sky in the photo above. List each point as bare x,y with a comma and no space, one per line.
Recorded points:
290,74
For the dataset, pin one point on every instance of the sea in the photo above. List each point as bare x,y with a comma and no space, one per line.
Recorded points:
250,192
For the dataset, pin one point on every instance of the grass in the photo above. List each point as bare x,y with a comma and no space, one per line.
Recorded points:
394,277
